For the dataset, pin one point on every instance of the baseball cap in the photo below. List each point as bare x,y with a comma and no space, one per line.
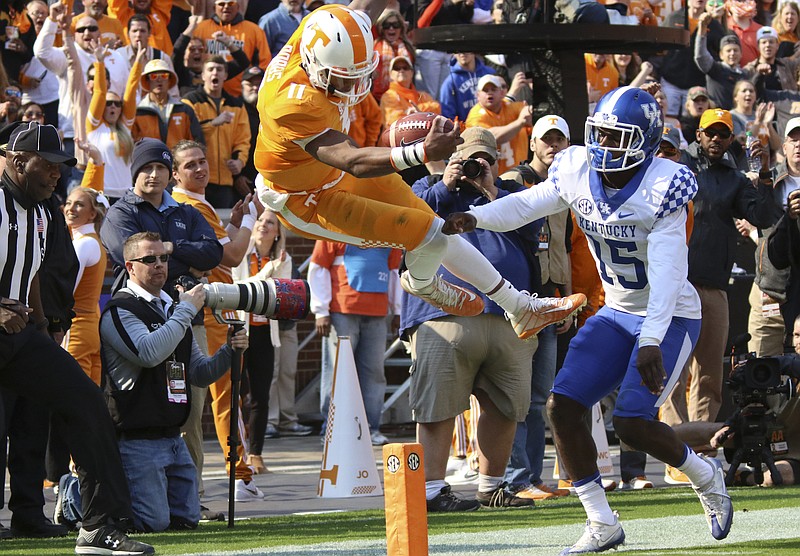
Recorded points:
716,116
766,33
157,66
729,39
40,139
495,80
671,135
548,122
697,92
791,125
252,72
396,59
477,140
149,150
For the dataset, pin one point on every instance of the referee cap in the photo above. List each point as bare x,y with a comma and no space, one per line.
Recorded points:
40,139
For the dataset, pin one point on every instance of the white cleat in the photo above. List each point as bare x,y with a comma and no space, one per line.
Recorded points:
598,537
716,501
544,311
448,297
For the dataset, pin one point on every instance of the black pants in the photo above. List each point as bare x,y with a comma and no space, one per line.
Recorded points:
260,367
33,366
27,438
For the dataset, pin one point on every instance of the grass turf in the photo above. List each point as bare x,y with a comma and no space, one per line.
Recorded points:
361,525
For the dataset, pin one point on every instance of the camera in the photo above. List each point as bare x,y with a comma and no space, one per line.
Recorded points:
276,298
471,168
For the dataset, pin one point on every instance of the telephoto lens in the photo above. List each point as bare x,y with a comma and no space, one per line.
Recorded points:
471,168
276,298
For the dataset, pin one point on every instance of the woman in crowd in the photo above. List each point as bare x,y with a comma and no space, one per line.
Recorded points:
697,102
32,112
632,71
716,8
84,212
109,122
391,42
785,23
266,259
402,98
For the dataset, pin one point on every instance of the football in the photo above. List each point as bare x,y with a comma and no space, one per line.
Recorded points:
409,130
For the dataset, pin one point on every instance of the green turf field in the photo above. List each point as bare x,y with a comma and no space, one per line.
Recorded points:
665,521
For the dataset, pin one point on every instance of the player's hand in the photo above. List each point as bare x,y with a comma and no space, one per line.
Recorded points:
239,339
440,144
196,296
14,315
459,223
651,368
323,325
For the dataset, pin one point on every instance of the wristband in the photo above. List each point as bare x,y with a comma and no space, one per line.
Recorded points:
248,221
403,158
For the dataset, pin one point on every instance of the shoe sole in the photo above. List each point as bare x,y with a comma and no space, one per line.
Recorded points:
525,334
476,310
108,552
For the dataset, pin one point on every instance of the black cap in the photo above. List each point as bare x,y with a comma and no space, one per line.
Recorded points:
5,135
252,72
43,140
149,150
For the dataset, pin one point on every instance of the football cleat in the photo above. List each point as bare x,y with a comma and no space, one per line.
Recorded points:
716,501
598,537
544,311
448,297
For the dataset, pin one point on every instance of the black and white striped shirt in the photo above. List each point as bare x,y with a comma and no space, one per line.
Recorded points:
23,243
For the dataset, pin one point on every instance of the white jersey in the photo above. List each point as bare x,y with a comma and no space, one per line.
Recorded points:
637,236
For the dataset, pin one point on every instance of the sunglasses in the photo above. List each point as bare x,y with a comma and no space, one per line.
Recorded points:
392,25
158,75
150,260
13,93
90,28
721,133
715,3
401,68
667,150
117,103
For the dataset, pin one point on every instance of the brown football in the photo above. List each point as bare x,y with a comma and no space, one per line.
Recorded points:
410,129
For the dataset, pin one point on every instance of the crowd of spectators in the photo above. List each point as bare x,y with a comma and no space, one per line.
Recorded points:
158,106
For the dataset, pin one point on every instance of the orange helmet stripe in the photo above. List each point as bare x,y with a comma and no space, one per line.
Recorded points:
356,36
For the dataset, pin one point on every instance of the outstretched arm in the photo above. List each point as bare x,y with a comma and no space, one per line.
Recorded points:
374,8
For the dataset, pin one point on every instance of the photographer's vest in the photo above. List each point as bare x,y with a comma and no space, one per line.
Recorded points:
145,410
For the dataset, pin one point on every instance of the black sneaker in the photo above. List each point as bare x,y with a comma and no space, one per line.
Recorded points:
207,516
5,532
39,529
447,501
501,497
109,541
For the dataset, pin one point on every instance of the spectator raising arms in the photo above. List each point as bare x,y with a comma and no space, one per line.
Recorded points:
392,42
108,124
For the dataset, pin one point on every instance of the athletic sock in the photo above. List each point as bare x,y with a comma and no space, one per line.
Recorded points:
433,488
591,494
487,483
696,469
510,298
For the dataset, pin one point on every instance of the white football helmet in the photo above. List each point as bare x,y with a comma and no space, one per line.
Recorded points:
338,52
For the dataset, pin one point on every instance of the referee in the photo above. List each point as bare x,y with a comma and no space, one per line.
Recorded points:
32,365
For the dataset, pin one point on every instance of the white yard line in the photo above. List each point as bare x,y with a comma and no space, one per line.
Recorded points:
666,534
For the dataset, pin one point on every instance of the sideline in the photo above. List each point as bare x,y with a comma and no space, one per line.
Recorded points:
665,534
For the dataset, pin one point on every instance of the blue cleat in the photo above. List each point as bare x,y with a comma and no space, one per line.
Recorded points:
716,501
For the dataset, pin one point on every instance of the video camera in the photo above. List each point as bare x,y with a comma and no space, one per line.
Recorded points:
276,298
759,390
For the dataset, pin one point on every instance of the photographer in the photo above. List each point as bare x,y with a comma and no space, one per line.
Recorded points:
147,342
455,356
782,436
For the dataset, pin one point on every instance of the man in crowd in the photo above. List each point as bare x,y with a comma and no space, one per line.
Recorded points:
156,11
508,121
32,362
455,356
280,23
459,92
643,335
147,342
226,129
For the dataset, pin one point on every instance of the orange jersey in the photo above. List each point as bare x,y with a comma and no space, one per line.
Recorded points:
291,110
512,152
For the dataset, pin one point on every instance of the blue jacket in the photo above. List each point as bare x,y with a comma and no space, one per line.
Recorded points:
279,25
459,91
511,253
194,243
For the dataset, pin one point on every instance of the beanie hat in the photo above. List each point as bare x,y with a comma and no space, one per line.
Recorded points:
149,150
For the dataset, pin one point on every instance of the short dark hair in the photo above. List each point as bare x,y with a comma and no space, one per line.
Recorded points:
141,18
216,59
130,248
185,145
